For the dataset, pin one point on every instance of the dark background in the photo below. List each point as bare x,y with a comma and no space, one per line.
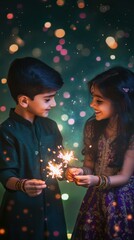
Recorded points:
85,53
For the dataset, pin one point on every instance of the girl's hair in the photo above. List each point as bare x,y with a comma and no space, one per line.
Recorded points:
116,84
30,76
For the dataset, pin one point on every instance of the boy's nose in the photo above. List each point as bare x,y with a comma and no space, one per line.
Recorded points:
53,103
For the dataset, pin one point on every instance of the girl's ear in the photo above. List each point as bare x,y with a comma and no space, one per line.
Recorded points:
23,101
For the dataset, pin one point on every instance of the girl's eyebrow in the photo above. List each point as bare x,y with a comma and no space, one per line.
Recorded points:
95,95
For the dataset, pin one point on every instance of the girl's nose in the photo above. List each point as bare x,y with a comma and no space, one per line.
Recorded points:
91,104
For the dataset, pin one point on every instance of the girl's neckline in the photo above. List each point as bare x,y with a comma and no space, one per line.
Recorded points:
110,134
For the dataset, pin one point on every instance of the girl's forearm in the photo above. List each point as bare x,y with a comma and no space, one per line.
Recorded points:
118,180
110,181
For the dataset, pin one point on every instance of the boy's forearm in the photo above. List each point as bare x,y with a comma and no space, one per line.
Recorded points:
11,183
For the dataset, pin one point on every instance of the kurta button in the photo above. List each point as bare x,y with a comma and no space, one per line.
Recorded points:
36,152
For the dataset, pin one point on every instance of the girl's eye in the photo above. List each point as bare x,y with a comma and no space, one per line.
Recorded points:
99,101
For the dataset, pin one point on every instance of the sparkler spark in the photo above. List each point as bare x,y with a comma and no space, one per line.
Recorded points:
66,157
54,169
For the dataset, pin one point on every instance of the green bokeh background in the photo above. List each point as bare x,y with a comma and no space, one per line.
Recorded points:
86,30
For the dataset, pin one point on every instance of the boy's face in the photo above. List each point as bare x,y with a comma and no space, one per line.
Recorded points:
41,104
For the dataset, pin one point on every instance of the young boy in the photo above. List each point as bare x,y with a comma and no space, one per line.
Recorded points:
31,209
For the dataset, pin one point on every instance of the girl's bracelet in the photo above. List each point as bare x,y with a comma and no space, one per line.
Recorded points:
104,182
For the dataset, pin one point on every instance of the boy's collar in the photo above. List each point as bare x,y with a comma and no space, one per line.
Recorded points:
19,118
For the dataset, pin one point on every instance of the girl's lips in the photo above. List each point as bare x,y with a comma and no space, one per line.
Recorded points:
96,112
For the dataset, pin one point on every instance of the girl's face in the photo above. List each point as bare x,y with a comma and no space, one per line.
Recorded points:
102,106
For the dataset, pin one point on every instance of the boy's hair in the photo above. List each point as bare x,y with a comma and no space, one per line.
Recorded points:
30,76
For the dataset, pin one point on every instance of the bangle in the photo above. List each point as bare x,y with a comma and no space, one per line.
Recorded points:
104,182
23,181
101,182
108,182
20,185
98,184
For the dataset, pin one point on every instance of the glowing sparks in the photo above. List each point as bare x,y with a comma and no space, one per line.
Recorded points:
55,169
66,157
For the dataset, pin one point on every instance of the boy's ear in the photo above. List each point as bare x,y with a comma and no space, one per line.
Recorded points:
23,101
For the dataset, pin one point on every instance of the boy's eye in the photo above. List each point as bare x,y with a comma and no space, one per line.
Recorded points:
47,100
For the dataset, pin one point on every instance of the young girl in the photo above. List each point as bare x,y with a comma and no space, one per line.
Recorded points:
107,211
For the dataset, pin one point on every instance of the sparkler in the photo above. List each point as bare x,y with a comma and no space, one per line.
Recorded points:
55,170
66,157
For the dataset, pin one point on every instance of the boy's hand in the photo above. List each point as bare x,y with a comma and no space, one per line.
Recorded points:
34,187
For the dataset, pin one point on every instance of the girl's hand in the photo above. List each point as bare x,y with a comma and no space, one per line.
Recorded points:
34,187
72,172
86,180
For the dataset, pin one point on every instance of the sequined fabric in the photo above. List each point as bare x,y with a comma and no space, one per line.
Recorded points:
106,214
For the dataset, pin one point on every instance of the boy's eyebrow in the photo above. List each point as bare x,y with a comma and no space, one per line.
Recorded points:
50,95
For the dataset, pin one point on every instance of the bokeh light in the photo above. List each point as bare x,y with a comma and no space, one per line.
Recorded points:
59,33
65,196
13,48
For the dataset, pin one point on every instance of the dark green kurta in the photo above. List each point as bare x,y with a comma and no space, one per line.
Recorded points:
25,150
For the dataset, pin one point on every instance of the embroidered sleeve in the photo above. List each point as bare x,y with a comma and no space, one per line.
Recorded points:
88,162
87,137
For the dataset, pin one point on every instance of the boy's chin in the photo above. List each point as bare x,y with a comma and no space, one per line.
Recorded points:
43,115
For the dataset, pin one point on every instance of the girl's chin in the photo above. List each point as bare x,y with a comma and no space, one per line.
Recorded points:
98,118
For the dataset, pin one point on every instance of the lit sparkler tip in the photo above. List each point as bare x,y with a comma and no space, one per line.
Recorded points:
54,170
66,156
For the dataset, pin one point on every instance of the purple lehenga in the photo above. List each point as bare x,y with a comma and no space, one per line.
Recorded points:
106,214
